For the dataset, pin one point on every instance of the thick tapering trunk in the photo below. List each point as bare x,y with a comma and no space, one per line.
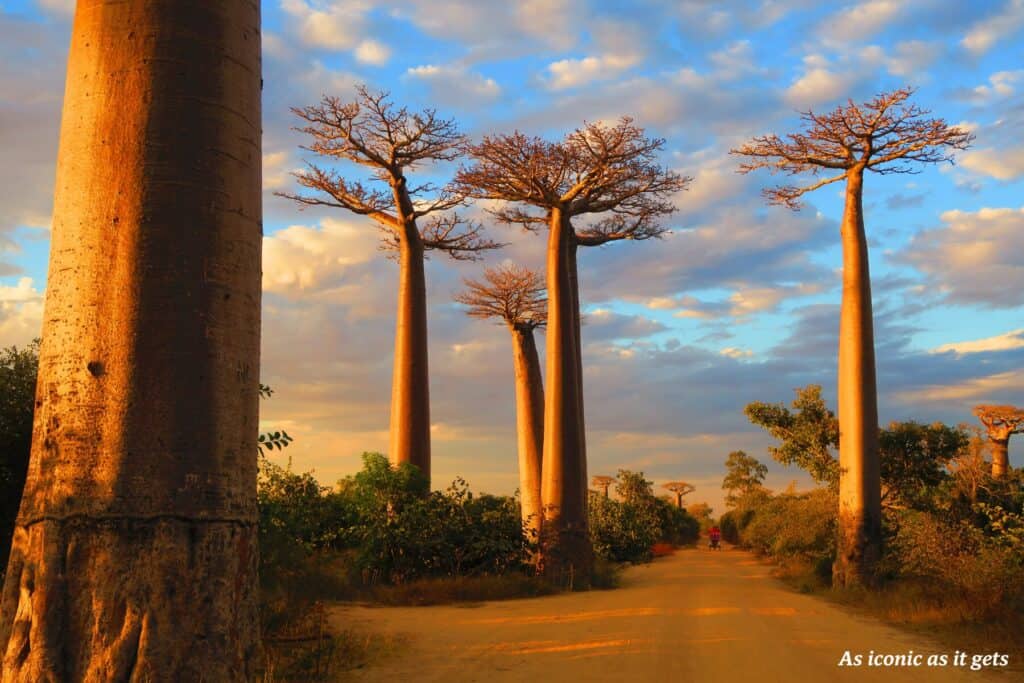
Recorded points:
679,501
860,508
134,556
410,388
574,283
529,427
566,550
1000,456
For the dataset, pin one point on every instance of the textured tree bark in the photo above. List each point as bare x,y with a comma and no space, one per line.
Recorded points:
860,508
565,545
134,557
1000,456
529,426
410,388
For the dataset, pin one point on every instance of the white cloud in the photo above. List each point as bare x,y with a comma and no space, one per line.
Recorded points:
975,389
275,171
1006,163
975,257
907,59
373,53
1001,342
455,85
21,312
988,31
820,83
331,25
302,259
733,352
572,73
862,20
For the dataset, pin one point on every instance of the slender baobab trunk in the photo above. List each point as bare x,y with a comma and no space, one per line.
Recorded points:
679,501
574,284
530,426
860,510
410,388
134,556
566,546
1000,455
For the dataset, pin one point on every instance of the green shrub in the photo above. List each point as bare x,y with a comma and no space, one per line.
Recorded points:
626,530
790,525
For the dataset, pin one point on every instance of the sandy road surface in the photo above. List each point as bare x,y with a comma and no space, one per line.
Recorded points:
693,617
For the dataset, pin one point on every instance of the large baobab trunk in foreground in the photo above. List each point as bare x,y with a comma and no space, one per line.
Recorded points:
860,507
529,426
134,557
565,545
410,388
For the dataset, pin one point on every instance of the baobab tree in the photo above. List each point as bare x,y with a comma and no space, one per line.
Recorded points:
680,488
515,295
602,181
885,135
391,141
134,553
1001,422
603,482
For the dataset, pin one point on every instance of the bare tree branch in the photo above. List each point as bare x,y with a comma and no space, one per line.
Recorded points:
512,293
885,135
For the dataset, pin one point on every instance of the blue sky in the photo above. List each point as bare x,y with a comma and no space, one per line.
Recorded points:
739,303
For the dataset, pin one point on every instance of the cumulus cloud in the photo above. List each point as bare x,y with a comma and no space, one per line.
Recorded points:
373,53
974,257
821,82
986,32
1000,342
862,20
1001,163
328,24
572,73
21,312
454,85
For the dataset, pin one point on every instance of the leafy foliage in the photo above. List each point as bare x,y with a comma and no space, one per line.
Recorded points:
625,530
807,435
913,457
18,369
743,474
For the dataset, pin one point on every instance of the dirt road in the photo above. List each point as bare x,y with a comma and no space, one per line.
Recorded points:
693,617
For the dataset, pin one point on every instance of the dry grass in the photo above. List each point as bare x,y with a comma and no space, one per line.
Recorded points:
921,607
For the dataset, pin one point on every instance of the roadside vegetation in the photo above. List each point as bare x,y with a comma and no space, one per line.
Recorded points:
953,531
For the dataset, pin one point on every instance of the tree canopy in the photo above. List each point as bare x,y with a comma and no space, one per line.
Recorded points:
887,134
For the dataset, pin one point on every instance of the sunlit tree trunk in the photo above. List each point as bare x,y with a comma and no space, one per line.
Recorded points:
860,508
1000,456
134,556
574,283
410,389
529,426
566,546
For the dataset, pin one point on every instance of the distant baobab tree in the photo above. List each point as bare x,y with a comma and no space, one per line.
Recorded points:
680,488
515,295
134,554
391,141
610,175
1001,422
603,482
884,135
